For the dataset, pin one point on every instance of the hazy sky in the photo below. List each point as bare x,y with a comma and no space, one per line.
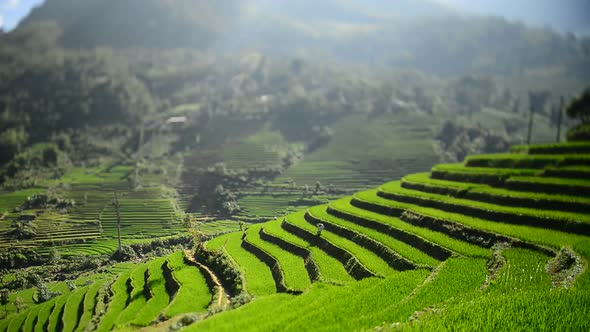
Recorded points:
12,11
564,15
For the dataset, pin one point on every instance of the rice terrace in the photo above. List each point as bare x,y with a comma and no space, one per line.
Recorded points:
257,165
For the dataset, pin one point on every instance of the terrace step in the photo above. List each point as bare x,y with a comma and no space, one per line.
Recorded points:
412,214
73,309
257,275
272,262
556,148
483,193
138,295
488,211
430,248
213,282
352,265
313,270
120,291
526,161
392,258
490,176
43,317
549,185
331,269
579,172
89,305
155,292
293,266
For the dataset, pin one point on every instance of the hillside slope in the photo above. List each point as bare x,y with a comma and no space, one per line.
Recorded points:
461,247
401,33
466,246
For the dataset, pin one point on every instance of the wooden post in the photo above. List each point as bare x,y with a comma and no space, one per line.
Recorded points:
118,214
559,119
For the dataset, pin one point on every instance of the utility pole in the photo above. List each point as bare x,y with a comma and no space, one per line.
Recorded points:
559,119
118,214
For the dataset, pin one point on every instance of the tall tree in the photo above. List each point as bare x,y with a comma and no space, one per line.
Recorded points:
579,108
118,214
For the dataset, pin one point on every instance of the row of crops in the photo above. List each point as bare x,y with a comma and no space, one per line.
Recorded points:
430,249
140,295
459,247
90,226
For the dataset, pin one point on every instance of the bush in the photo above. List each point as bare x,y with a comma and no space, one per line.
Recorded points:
579,108
126,254
579,133
71,285
222,266
44,294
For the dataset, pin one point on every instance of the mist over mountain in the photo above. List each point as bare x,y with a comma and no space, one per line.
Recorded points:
569,16
425,35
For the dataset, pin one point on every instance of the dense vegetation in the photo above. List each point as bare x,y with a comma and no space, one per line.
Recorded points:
425,252
162,169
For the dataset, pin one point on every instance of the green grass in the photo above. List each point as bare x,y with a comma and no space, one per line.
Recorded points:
29,324
194,294
531,311
553,148
219,226
462,188
330,268
296,276
366,257
9,201
457,203
364,151
90,300
137,297
56,317
461,168
521,298
160,297
400,247
550,180
524,270
117,304
322,307
359,306
436,237
457,295
16,322
259,279
551,238
510,160
43,316
70,315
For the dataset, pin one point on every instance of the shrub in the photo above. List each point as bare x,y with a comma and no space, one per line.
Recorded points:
44,294
126,254
579,133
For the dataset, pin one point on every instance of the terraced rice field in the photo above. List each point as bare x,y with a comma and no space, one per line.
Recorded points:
459,248
473,237
138,296
89,227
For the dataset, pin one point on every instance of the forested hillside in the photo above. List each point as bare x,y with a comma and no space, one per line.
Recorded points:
405,34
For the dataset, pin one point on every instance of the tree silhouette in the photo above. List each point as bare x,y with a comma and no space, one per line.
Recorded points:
579,108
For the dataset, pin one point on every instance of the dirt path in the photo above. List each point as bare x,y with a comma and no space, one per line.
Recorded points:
222,297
